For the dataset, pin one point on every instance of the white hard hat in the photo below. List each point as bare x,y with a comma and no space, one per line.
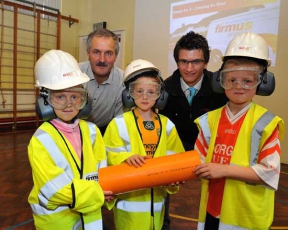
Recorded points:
57,70
248,45
137,67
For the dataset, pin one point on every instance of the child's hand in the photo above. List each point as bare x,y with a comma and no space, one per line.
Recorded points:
210,170
136,160
108,195
174,184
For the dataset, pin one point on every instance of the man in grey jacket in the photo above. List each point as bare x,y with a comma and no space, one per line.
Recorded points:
105,86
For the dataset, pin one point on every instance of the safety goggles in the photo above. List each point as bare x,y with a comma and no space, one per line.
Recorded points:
137,90
247,77
60,99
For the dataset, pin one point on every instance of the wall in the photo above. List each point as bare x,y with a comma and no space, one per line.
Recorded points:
69,35
118,15
150,42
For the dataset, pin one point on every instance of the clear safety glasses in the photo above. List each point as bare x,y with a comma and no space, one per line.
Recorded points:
195,62
60,99
247,77
150,89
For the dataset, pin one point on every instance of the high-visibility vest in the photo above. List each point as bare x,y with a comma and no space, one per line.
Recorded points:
66,194
142,209
247,206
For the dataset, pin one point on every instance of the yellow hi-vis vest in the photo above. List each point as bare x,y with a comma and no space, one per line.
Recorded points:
247,206
134,210
66,194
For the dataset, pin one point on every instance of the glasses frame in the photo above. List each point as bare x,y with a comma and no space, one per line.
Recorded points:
132,88
238,81
83,102
195,62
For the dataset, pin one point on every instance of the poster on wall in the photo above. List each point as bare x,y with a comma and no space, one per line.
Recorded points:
220,21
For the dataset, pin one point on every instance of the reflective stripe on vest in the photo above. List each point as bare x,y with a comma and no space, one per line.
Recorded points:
203,121
222,226
47,141
39,210
169,152
256,134
97,224
102,164
130,206
61,180
229,227
169,127
93,135
257,131
51,187
92,131
123,133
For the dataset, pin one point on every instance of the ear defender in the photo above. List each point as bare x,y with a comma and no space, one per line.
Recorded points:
127,100
267,85
162,100
84,113
43,110
215,83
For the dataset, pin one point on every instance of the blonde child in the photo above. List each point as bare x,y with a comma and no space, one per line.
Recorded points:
65,152
137,135
240,143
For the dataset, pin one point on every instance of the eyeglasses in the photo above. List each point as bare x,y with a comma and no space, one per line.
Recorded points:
152,93
185,63
60,99
247,77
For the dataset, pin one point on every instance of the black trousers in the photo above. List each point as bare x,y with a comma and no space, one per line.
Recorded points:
166,222
211,223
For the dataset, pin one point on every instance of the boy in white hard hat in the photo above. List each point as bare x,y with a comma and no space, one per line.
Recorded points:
65,152
137,135
239,144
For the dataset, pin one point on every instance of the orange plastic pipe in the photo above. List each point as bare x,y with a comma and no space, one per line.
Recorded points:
155,172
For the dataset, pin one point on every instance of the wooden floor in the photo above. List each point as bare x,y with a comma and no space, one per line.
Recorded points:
16,183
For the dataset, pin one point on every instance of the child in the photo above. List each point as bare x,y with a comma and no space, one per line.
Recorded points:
65,152
137,135
240,143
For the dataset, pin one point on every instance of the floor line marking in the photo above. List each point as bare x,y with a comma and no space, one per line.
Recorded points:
20,224
183,217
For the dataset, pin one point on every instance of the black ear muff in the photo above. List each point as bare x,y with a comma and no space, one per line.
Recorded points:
84,113
127,100
162,100
267,85
215,83
43,110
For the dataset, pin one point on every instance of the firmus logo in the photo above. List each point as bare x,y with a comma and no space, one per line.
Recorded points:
136,66
68,74
234,27
92,177
246,48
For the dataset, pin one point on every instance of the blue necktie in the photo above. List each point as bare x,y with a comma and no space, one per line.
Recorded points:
192,93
